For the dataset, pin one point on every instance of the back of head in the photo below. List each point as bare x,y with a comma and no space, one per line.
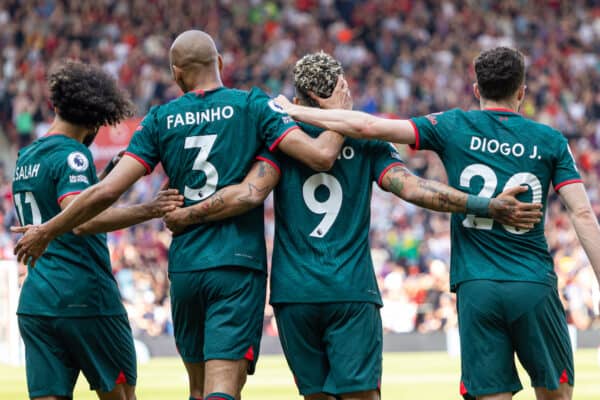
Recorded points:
193,51
317,73
500,72
86,96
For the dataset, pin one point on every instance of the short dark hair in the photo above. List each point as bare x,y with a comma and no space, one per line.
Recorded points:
317,73
87,96
499,71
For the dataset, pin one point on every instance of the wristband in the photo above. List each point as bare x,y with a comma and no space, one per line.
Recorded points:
478,205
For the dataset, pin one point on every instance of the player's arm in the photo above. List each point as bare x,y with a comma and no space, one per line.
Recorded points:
87,205
228,201
437,196
115,218
575,199
318,153
355,124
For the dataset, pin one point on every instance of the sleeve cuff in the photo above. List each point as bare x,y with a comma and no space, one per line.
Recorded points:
140,160
270,162
280,138
565,183
416,145
64,196
392,165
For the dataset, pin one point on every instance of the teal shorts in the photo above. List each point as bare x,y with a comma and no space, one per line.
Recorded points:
498,319
57,349
218,314
332,348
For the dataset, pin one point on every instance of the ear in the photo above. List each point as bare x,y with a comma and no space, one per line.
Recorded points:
176,72
476,91
220,62
521,92
296,100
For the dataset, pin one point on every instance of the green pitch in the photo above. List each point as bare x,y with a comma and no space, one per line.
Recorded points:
406,376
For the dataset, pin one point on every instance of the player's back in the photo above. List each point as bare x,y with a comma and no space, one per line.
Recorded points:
205,141
73,277
486,152
321,250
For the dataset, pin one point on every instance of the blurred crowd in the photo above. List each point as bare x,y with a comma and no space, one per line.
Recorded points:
402,57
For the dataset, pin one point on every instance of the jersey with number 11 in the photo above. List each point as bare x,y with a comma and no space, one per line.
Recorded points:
486,152
207,140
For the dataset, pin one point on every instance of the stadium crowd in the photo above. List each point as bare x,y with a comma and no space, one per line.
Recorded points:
402,57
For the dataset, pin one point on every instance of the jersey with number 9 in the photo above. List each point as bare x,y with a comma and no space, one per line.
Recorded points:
205,141
486,152
73,278
321,251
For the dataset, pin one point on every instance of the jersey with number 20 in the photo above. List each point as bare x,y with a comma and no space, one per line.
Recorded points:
207,140
486,152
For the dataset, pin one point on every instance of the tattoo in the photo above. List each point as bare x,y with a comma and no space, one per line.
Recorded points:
253,191
210,205
261,169
396,178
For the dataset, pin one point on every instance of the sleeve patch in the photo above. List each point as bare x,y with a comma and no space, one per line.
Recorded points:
275,107
78,161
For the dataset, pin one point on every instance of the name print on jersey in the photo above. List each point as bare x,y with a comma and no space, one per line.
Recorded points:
493,146
199,117
26,172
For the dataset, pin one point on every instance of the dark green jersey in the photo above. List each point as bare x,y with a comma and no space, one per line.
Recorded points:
321,251
73,278
486,152
205,141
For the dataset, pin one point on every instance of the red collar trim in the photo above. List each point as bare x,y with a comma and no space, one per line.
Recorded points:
501,109
202,92
54,134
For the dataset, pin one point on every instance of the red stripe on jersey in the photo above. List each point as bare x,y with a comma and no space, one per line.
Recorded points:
121,379
396,164
280,138
270,162
501,109
565,183
416,145
563,377
199,92
61,198
54,134
140,160
463,389
249,354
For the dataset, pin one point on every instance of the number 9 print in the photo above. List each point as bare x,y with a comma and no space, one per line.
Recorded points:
330,207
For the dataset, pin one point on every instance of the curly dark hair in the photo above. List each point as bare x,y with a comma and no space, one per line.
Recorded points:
500,72
87,96
317,73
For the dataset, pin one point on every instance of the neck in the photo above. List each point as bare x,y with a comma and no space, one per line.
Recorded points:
70,130
512,105
204,84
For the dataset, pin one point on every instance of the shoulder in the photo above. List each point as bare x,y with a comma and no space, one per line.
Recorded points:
310,130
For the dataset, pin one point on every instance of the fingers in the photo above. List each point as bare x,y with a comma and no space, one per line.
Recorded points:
20,229
165,184
316,98
513,191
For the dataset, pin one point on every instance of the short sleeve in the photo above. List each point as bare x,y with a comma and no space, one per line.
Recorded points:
74,172
384,157
269,157
429,133
273,123
144,144
565,171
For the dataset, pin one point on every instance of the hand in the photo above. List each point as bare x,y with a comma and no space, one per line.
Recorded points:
340,98
177,220
507,210
284,103
33,243
164,202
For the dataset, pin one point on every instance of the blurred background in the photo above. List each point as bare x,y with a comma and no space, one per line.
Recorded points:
402,58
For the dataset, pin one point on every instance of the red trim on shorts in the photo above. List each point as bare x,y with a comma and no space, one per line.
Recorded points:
463,389
270,162
502,109
565,183
61,198
280,138
563,377
140,160
386,170
416,145
121,379
249,354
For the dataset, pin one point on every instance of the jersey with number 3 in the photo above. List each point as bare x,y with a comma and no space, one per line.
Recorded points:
73,278
486,152
321,250
205,141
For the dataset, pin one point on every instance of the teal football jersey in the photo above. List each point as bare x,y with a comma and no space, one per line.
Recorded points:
321,250
205,141
73,278
486,152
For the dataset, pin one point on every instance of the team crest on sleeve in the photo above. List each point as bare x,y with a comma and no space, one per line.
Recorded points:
78,161
275,107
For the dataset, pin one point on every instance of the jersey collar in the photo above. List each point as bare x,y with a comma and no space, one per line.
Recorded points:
501,109
201,92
